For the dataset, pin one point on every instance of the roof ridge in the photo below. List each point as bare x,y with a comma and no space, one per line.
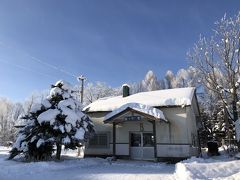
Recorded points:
157,98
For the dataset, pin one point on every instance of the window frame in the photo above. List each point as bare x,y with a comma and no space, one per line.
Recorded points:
98,146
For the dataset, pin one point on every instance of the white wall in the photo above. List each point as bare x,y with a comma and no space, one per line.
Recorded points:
174,139
173,150
99,126
176,131
122,149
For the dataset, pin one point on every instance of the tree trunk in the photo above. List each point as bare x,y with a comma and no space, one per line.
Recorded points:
59,149
235,112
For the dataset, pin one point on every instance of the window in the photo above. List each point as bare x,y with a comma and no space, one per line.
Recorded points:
135,139
100,140
142,139
148,140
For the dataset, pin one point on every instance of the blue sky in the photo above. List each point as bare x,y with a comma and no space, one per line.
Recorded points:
115,41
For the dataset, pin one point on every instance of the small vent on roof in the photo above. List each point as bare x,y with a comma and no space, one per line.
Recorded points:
126,90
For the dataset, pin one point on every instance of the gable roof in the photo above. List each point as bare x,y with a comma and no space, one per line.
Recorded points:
160,98
138,108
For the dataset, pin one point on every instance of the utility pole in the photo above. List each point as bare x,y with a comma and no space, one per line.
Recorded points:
81,79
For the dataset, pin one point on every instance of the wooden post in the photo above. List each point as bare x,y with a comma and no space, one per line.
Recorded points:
155,140
114,139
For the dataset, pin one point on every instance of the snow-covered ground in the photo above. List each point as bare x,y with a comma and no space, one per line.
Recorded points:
79,169
74,168
217,168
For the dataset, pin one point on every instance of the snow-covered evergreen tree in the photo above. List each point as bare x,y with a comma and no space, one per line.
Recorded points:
56,121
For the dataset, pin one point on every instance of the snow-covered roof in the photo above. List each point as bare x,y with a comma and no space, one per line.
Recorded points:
151,111
167,97
125,85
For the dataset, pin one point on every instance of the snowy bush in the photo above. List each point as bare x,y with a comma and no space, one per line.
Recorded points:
56,121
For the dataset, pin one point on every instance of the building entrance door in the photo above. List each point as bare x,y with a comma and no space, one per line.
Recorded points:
142,145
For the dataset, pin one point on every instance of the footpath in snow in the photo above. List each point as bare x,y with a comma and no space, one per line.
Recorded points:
74,168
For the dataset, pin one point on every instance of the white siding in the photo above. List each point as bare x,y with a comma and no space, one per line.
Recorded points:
122,149
174,139
173,150
176,131
99,126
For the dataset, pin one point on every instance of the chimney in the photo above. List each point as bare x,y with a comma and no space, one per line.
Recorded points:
126,89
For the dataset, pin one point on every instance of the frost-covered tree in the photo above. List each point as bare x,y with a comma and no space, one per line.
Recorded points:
150,82
213,118
194,77
5,119
34,98
94,91
9,113
56,121
218,59
184,78
170,80
136,88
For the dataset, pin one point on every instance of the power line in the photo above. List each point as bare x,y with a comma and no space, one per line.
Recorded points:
39,60
24,68
51,66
